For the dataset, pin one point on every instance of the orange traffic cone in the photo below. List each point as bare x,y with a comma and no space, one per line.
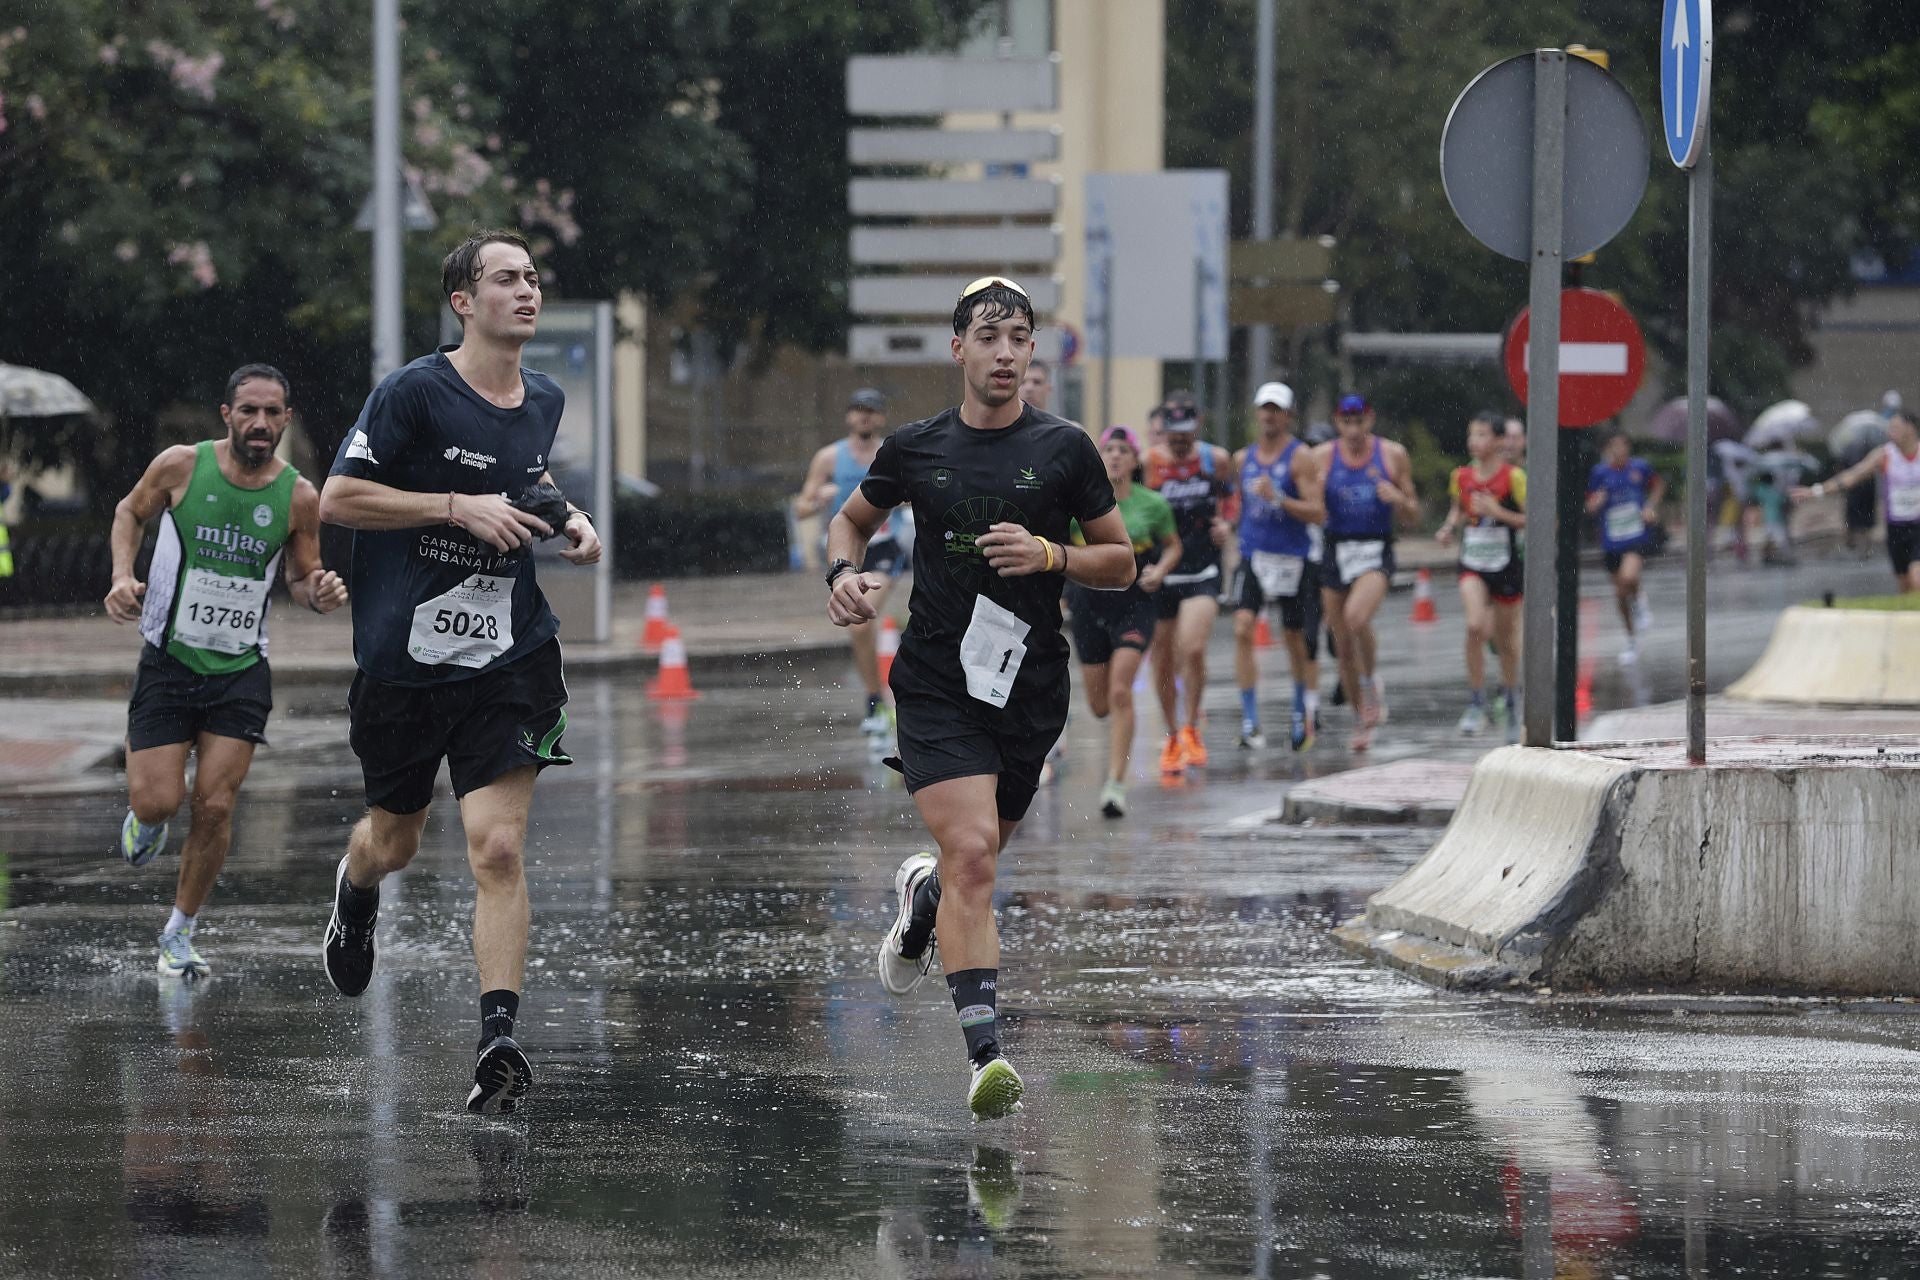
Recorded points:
673,684
657,625
888,646
1262,633
1423,606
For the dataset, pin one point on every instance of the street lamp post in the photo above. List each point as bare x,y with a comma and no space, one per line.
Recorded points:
387,229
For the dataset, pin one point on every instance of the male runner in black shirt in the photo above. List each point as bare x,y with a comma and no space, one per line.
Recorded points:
980,682
457,649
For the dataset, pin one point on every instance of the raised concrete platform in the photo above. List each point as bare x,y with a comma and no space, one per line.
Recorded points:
1840,657
1781,865
1419,793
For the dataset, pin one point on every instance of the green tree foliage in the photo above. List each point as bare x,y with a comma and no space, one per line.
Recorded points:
1363,94
181,182
693,148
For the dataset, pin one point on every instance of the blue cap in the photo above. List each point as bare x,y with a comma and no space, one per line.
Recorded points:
1352,403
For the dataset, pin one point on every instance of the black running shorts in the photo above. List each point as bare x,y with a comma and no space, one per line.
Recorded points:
1505,586
492,724
946,733
173,703
1903,544
1298,612
1107,620
886,557
1168,599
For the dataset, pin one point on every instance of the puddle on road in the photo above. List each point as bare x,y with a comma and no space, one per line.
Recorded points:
723,1089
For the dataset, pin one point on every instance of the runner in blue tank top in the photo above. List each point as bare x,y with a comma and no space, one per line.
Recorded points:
1624,492
1280,502
1369,482
835,472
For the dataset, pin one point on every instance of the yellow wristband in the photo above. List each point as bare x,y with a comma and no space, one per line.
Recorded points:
1048,548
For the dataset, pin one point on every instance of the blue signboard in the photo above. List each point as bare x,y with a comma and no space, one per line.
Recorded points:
1686,66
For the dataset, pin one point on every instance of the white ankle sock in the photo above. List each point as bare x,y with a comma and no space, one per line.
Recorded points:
179,921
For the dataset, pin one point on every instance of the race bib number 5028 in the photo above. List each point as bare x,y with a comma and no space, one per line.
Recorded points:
469,626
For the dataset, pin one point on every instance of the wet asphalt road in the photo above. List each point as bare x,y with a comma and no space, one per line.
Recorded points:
725,1090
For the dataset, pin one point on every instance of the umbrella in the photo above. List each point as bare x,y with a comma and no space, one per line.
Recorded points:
1780,425
1859,433
35,393
1668,425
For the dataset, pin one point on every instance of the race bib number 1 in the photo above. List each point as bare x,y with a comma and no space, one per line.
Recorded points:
468,626
991,651
218,613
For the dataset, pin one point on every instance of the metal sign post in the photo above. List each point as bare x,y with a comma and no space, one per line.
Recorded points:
1543,389
1544,159
1686,73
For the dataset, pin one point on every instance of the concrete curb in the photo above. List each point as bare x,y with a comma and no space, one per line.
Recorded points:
1416,793
1773,868
1837,657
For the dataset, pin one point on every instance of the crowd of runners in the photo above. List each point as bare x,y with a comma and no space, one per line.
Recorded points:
1029,529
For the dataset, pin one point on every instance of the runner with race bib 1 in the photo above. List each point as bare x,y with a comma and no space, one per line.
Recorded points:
1369,482
980,683
1624,493
1489,507
456,646
230,513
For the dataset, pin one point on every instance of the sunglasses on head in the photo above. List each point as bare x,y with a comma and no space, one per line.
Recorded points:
990,282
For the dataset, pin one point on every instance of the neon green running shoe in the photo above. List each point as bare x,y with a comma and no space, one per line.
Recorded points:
178,959
139,842
996,1090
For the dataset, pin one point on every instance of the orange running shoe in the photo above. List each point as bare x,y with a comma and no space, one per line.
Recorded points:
1192,750
1173,760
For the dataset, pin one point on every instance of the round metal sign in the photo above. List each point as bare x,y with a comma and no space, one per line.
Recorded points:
1486,158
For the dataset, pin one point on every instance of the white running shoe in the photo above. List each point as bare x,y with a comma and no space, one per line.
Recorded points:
140,842
1473,721
1642,613
1113,800
899,972
995,1091
178,959
1630,656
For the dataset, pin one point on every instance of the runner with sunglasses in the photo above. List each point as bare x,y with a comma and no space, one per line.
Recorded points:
980,683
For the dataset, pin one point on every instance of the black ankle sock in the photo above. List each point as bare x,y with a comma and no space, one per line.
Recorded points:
498,1009
873,703
975,997
926,904
356,902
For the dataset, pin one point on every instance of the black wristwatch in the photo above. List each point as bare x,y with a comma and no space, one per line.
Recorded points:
837,568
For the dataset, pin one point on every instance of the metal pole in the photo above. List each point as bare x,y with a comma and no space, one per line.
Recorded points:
1574,460
1199,352
1699,317
387,227
1107,417
1260,336
1543,387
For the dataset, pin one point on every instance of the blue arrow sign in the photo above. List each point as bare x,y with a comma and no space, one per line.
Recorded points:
1686,72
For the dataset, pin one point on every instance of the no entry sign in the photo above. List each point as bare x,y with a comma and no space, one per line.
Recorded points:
1602,357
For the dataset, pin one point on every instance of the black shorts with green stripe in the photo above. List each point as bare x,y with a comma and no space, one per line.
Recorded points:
499,721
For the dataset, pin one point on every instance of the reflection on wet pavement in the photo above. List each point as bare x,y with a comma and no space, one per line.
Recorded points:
725,1090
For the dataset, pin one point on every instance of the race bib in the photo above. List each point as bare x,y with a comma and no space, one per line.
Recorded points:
218,613
1278,575
1625,522
1486,548
1356,558
991,651
468,626
1903,504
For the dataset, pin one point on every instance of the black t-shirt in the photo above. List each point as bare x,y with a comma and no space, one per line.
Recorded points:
1042,473
435,604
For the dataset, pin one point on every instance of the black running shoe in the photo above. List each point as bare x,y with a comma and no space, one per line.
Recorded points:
348,948
501,1078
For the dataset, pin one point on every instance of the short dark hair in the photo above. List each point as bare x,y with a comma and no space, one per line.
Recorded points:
1496,422
994,303
1041,366
251,372
461,269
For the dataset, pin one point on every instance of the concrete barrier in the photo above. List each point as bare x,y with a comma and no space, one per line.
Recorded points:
1778,866
1843,657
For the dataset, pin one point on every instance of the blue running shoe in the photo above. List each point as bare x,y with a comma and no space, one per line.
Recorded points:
140,842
